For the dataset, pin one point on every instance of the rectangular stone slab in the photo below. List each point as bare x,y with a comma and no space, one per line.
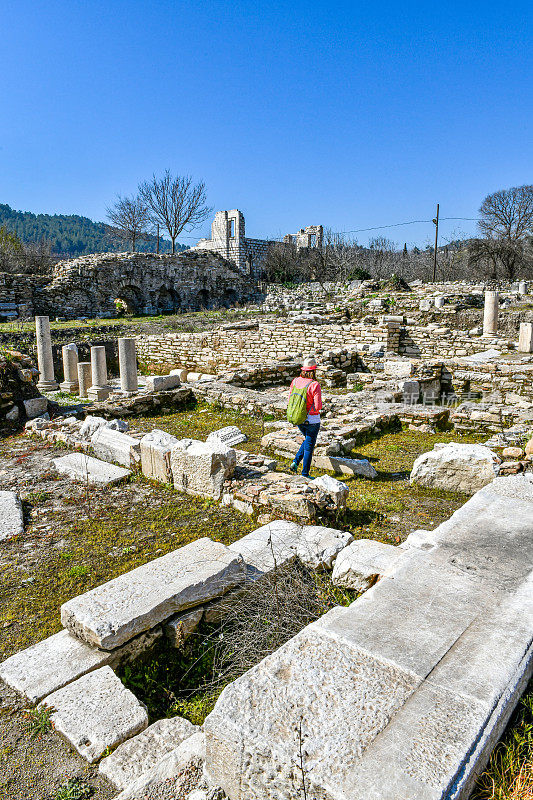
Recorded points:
96,712
114,446
81,467
115,612
61,659
138,755
402,695
11,519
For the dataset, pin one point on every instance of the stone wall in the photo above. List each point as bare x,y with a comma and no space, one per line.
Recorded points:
146,283
257,343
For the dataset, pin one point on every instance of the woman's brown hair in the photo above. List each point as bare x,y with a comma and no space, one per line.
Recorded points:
308,373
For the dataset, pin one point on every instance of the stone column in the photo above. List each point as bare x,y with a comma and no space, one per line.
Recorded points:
490,316
127,360
99,389
45,361
439,302
525,343
70,369
522,287
84,377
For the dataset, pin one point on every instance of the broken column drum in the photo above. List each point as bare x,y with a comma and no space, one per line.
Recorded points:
70,368
490,315
45,362
99,389
84,377
522,287
127,360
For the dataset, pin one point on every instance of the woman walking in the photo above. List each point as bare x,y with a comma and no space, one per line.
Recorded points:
305,387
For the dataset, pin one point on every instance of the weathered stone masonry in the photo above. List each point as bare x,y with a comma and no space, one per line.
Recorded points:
260,342
147,283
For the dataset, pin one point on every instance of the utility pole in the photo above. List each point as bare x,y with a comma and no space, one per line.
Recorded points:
436,224
157,251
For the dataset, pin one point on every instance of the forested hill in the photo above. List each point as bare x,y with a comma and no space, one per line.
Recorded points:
68,235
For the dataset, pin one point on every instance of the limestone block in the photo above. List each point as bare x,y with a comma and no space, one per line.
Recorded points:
161,383
456,467
138,755
360,564
96,712
90,425
318,547
525,342
168,779
61,659
115,446
403,693
35,407
81,467
156,447
201,468
336,490
178,629
346,466
50,665
270,546
230,436
115,612
12,520
529,448
398,368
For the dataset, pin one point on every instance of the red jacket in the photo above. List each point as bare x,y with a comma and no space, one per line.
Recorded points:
314,394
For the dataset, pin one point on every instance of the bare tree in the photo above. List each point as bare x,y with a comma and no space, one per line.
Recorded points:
129,218
507,214
175,202
506,221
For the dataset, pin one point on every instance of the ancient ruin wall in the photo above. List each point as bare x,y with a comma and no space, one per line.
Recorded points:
147,283
256,344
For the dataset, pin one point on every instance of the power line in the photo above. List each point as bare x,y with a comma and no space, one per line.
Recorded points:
380,227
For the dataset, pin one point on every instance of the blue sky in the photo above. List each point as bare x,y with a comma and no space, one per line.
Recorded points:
347,114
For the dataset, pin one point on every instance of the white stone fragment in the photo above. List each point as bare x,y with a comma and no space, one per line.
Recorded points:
168,777
270,546
138,755
114,446
318,547
346,466
115,612
12,520
336,490
162,383
87,469
230,436
156,447
35,407
96,712
90,425
200,468
360,564
456,467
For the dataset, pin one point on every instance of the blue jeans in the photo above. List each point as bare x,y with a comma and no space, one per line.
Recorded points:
310,431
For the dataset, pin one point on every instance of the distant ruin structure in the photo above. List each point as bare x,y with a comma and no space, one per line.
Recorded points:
99,285
228,239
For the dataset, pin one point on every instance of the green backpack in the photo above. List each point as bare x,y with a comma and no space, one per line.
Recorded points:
297,407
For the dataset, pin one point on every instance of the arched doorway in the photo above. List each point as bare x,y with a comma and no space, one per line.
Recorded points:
128,300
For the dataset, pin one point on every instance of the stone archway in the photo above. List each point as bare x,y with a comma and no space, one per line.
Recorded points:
204,299
130,298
